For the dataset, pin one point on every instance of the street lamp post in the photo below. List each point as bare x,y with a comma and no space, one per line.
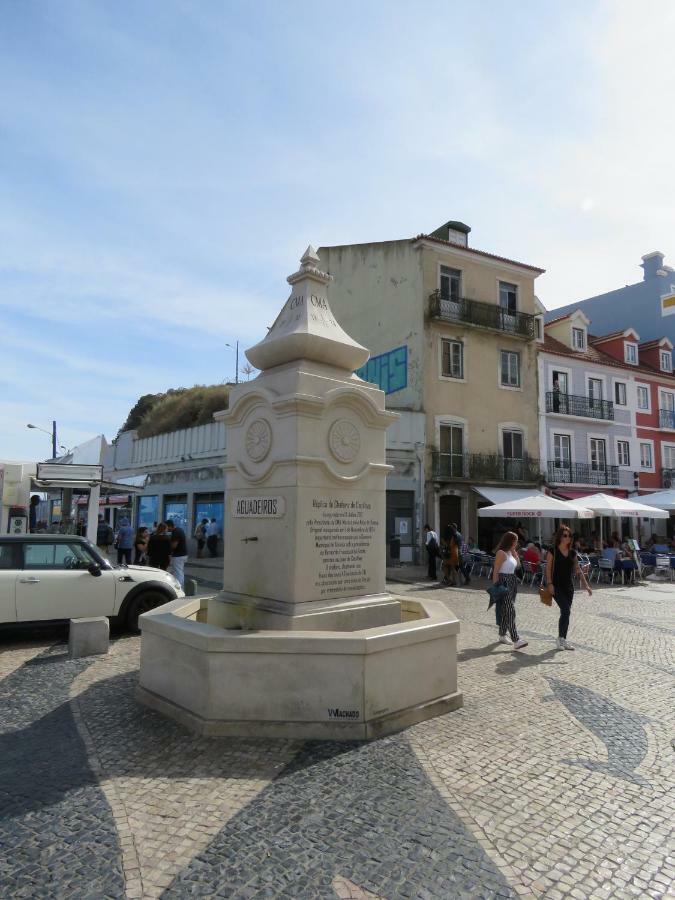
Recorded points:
236,349
51,433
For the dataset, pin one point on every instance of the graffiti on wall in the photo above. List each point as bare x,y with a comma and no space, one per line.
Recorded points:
389,371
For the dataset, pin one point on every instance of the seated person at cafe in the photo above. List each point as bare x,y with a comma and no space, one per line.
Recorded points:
531,554
612,553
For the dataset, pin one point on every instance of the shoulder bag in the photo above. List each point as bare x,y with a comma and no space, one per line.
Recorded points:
546,590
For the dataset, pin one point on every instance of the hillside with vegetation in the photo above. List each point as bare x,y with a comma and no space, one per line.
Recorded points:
154,414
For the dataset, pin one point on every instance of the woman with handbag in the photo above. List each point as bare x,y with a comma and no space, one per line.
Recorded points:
504,573
562,564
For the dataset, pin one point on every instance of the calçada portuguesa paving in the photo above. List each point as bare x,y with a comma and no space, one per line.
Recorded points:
555,780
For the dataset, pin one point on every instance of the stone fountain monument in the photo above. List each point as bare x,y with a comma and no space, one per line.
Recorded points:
304,640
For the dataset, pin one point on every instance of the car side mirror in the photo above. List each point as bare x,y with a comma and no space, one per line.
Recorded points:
94,569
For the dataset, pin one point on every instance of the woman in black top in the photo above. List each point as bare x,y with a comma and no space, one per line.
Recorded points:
562,564
159,548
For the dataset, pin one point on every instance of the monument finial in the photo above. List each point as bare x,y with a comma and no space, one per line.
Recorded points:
306,328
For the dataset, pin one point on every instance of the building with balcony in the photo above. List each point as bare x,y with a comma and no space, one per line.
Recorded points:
453,333
607,409
649,303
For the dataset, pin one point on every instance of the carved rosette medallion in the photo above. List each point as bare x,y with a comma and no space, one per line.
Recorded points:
344,440
258,440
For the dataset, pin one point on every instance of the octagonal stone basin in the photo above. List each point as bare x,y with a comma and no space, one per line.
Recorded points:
308,684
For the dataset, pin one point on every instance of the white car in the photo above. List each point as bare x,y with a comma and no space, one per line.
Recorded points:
59,576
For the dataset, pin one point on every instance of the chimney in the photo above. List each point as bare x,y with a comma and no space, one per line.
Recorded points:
455,232
652,263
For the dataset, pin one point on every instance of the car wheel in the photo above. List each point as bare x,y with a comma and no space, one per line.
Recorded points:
142,603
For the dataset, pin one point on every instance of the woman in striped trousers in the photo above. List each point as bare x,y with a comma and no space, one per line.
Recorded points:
504,572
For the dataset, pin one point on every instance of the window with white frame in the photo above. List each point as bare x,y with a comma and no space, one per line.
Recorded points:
508,296
630,352
620,393
539,328
451,456
646,457
666,361
510,368
643,397
598,454
562,451
514,454
452,359
668,451
450,284
579,338
623,453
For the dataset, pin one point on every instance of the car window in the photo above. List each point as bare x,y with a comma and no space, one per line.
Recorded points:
9,555
56,556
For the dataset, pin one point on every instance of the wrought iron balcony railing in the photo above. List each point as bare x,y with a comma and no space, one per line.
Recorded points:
484,467
667,418
560,472
588,407
482,315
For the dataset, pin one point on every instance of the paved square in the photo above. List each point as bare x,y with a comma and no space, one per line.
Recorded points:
555,780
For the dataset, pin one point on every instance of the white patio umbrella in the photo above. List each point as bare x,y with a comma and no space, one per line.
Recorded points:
538,506
660,499
607,505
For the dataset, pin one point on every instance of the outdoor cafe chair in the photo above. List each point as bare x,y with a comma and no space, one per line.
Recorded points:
606,567
664,563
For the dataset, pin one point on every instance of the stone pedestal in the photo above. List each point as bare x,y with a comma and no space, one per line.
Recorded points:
304,625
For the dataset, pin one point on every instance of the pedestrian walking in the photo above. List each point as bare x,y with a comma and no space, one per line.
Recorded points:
463,564
159,548
200,536
124,542
562,565
504,572
212,537
104,535
431,544
179,552
141,547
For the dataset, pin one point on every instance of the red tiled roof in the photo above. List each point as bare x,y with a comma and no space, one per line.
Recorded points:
512,262
593,355
647,345
613,335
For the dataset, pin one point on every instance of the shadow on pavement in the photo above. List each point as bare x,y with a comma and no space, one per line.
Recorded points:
518,661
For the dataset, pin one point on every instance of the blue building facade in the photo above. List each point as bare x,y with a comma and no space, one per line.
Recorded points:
642,305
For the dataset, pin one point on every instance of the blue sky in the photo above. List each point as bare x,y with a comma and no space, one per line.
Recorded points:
163,164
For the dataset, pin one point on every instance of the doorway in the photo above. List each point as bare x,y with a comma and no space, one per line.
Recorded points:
450,510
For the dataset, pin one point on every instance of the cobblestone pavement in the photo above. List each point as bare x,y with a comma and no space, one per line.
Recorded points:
556,779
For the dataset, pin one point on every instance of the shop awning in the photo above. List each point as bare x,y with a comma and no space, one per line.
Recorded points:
579,495
506,495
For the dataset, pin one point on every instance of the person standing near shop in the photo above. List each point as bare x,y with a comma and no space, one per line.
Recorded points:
159,548
212,537
124,543
561,566
504,572
179,552
104,535
433,550
200,536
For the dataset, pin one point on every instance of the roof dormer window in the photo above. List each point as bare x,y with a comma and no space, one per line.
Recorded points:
630,352
579,338
666,361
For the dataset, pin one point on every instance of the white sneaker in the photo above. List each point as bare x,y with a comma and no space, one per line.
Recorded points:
560,644
519,644
505,639
567,645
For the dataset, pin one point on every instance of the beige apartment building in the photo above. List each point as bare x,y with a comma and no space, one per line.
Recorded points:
453,334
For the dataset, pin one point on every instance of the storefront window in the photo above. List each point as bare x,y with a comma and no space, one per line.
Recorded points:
175,508
148,511
210,509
